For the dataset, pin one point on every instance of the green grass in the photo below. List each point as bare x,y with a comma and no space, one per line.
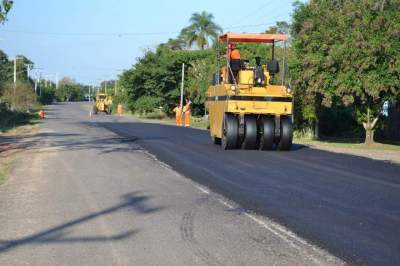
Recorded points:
348,144
27,128
4,171
199,122
23,126
12,120
195,122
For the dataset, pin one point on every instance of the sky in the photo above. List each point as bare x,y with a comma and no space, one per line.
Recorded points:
95,40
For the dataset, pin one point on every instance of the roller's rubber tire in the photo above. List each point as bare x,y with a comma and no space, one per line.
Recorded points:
267,133
95,111
230,132
108,110
286,138
250,133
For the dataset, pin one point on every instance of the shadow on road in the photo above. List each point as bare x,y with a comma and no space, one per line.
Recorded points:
71,142
59,234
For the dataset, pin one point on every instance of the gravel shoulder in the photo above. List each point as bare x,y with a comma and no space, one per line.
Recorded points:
380,152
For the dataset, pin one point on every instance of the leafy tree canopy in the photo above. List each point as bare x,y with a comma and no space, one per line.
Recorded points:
348,52
5,7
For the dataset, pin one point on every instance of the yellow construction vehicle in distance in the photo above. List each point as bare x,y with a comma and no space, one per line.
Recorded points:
103,104
247,107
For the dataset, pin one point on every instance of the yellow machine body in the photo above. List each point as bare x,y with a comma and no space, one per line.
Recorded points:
103,103
246,100
247,106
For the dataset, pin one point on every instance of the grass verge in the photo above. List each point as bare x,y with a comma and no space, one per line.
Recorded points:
348,144
4,171
11,120
10,147
195,122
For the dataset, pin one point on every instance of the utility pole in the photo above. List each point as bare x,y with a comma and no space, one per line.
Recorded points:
15,80
36,83
40,87
56,81
183,80
28,68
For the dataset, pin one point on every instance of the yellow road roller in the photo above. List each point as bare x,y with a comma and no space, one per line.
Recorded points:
248,107
103,104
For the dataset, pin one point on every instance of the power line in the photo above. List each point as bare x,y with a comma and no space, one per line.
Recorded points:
121,34
256,11
88,34
249,26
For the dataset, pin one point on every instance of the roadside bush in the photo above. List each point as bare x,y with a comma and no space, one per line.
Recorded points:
147,104
156,114
48,96
24,98
10,118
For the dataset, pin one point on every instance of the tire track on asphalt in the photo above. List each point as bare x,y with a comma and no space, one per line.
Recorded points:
187,229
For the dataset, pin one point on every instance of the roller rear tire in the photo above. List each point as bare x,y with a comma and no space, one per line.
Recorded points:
250,133
286,138
267,133
229,138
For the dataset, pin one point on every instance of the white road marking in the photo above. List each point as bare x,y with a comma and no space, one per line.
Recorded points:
203,190
226,204
279,231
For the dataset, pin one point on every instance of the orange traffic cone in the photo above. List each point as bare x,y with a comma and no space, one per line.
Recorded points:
41,114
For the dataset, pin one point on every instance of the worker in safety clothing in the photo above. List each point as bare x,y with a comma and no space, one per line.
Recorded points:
187,112
178,115
234,53
234,59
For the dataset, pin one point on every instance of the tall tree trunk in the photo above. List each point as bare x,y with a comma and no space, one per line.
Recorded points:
316,130
369,127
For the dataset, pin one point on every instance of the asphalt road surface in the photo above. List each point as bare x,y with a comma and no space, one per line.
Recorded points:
109,190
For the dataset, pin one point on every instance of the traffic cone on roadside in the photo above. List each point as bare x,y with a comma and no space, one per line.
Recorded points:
41,114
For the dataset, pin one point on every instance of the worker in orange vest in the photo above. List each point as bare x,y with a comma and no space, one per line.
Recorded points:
187,112
120,109
234,53
178,115
234,57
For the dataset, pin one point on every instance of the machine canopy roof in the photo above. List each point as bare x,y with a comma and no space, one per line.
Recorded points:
252,37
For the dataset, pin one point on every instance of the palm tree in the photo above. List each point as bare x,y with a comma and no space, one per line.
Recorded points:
201,30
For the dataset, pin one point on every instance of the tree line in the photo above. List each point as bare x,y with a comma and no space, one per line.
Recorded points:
343,57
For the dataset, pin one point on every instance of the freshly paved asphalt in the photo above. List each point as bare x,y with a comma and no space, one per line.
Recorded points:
346,204
83,195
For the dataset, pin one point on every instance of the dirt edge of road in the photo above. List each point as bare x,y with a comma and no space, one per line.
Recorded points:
14,147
